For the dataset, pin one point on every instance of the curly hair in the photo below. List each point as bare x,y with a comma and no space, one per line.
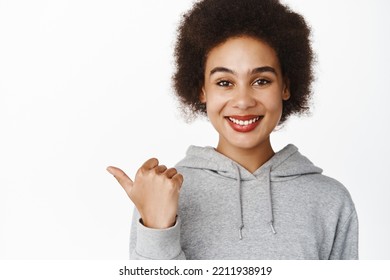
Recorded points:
212,22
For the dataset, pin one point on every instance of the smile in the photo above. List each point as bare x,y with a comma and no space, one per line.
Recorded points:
244,123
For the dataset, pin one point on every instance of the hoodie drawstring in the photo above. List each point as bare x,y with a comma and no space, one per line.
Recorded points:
241,216
269,199
269,196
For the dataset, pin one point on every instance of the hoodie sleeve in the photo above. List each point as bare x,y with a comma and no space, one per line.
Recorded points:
345,246
147,243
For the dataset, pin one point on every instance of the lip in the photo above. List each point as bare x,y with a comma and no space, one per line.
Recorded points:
244,128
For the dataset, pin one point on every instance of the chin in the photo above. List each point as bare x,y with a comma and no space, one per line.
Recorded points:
247,145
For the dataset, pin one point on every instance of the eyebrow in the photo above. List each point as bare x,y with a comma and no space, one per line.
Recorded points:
254,71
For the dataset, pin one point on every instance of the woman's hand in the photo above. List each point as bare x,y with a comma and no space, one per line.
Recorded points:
155,192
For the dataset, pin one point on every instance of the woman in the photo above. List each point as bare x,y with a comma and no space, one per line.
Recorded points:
248,66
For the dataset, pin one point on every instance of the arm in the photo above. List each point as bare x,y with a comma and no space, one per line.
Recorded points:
155,193
345,245
147,243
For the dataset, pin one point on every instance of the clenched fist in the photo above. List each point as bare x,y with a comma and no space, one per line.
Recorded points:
155,192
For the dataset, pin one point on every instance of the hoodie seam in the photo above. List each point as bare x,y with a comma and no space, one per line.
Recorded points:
218,175
342,229
277,165
212,173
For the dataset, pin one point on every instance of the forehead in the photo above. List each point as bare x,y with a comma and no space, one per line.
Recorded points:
242,52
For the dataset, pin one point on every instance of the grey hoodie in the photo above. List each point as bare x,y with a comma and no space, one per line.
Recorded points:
286,209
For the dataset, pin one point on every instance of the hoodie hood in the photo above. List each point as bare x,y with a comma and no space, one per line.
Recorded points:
285,165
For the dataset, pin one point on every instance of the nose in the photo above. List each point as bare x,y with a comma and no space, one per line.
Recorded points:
243,99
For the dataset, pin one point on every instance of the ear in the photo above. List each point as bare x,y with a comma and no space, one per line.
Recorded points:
286,94
286,90
202,96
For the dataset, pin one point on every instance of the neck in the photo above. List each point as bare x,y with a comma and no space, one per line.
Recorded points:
250,158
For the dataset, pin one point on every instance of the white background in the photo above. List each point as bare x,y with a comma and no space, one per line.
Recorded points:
86,84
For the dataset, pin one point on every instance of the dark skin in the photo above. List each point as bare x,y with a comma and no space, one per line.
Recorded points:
155,189
243,79
155,192
267,20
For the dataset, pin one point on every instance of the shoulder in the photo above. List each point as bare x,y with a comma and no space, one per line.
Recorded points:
327,184
298,171
327,191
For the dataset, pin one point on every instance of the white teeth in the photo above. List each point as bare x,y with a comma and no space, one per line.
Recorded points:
246,122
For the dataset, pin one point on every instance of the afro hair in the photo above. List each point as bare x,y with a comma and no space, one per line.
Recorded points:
212,22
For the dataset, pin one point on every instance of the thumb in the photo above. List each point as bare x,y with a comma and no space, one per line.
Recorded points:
121,177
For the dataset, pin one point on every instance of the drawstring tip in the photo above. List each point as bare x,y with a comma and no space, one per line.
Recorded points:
272,227
240,232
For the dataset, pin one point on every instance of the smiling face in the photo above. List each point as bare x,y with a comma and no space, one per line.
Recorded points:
243,91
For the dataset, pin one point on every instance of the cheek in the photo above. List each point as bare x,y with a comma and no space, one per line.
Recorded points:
273,104
215,103
274,109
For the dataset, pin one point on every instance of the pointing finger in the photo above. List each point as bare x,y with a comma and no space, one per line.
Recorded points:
122,178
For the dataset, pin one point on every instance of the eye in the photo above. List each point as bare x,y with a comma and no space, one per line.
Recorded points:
261,82
224,83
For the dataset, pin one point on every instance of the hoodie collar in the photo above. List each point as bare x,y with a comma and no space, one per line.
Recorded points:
285,165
